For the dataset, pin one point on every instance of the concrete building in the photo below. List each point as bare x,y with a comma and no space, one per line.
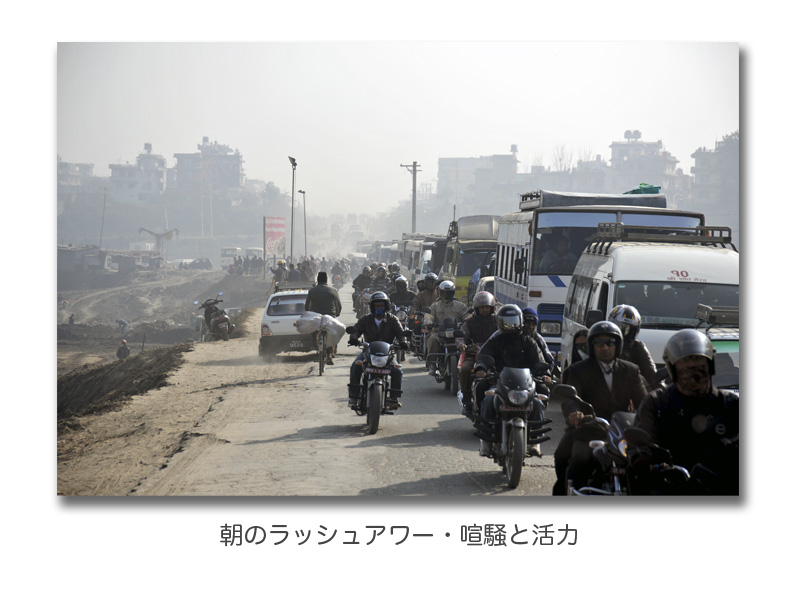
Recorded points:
142,183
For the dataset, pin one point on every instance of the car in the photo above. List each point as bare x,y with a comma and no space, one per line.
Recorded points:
200,263
278,333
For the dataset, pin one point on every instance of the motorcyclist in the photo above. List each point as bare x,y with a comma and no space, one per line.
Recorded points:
696,422
510,348
402,296
378,325
381,281
629,322
426,295
445,307
531,322
361,283
394,271
477,329
605,380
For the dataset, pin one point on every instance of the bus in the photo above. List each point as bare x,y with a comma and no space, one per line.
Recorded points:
538,246
228,255
254,252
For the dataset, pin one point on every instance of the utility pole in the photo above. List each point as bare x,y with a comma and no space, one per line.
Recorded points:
412,168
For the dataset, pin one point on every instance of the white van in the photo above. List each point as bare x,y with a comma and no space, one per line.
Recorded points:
664,275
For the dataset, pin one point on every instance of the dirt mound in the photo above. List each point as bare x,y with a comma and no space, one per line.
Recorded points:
91,390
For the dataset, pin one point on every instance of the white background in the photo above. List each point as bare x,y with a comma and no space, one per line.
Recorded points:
134,547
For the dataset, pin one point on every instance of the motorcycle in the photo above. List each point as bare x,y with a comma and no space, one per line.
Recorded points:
375,380
401,312
362,304
623,461
447,361
337,281
419,338
512,436
216,319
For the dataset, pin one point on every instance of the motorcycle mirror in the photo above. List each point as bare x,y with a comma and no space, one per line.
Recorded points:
350,329
636,437
408,334
196,302
220,294
458,333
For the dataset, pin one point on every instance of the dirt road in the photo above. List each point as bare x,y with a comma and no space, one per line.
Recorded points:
229,424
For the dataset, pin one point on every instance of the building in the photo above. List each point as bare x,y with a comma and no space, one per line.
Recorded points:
142,183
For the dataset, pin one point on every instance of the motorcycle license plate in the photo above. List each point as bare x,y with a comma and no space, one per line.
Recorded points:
223,325
377,371
295,344
618,471
505,407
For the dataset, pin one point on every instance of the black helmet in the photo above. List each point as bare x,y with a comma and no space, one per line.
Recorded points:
401,284
394,268
366,271
628,320
607,329
509,319
688,342
447,291
378,297
380,273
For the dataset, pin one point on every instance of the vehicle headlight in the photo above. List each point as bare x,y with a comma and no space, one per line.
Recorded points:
378,361
550,328
519,396
401,315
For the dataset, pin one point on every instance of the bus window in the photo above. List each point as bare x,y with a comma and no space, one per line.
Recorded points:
561,237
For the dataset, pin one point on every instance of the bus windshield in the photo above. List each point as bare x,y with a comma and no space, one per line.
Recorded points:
674,303
562,235
469,262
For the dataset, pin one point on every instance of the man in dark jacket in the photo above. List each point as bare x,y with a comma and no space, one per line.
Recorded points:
507,348
477,329
696,422
604,380
123,351
324,299
378,325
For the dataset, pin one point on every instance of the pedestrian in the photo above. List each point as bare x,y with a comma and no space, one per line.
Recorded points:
72,319
122,325
123,351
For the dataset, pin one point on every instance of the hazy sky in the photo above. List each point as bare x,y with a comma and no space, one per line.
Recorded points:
352,112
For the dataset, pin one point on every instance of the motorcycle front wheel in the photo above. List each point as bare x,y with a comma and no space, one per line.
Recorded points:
453,374
374,395
515,456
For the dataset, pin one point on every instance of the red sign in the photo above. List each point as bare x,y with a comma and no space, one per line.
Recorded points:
274,235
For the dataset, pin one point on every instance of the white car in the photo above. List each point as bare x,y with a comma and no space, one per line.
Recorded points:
278,333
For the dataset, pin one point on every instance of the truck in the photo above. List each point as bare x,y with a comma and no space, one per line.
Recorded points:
470,241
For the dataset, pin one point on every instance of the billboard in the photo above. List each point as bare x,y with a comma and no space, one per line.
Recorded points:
274,235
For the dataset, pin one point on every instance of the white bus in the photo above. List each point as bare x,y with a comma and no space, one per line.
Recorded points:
228,255
254,252
532,271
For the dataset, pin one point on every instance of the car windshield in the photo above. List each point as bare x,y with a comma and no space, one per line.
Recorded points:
287,305
675,303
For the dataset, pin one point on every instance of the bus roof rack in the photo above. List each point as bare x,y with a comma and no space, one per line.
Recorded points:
607,233
546,198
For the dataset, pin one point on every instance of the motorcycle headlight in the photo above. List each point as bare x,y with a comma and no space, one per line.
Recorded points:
448,334
518,396
401,315
378,361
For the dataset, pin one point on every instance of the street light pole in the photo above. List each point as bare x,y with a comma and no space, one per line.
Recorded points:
305,238
413,170
291,244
